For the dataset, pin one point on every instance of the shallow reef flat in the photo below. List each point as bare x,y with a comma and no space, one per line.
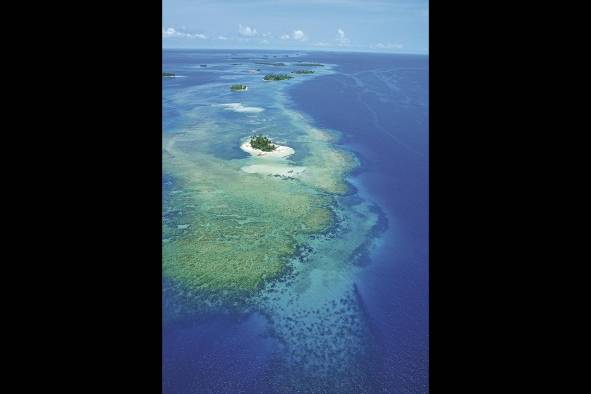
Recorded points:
242,226
232,221
326,165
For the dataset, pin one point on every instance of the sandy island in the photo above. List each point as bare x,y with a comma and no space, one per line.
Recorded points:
273,168
279,152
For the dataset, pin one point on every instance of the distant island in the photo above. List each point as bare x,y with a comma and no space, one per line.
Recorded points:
277,77
203,65
277,64
303,72
166,74
263,143
309,64
239,88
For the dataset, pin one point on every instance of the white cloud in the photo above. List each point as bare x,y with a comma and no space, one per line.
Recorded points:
298,35
321,44
342,39
380,45
247,31
222,38
172,32
264,41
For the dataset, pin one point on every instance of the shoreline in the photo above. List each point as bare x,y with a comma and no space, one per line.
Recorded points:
280,151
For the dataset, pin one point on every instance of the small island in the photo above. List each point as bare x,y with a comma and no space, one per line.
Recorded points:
263,143
262,147
168,75
277,77
276,64
303,72
309,64
239,88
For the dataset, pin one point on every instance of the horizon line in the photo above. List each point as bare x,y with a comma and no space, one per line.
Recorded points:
302,50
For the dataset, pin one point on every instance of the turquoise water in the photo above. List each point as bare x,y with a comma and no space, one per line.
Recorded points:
298,274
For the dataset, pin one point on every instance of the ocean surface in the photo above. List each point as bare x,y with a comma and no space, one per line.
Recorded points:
305,274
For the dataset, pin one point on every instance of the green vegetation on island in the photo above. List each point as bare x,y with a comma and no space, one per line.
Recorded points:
277,77
239,88
167,74
261,142
303,72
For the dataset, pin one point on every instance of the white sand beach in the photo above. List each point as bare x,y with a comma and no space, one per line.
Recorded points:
274,169
279,152
238,107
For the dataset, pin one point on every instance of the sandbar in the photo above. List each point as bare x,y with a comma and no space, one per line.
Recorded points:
238,107
274,169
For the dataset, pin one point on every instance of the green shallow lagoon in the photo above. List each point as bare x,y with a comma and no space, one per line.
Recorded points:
228,231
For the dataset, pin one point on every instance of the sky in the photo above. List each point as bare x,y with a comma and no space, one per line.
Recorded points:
395,26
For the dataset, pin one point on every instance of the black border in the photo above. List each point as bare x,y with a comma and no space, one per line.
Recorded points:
91,250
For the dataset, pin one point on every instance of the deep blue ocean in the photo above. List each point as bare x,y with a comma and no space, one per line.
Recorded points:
379,105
